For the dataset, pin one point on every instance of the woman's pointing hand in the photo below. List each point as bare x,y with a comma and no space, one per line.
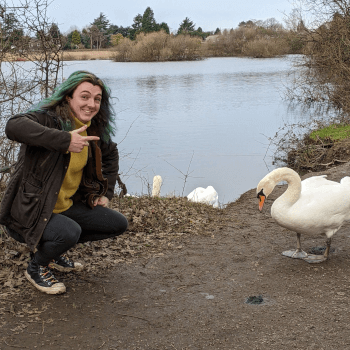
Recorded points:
78,142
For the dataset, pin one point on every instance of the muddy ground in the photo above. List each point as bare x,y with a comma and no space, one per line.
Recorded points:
192,294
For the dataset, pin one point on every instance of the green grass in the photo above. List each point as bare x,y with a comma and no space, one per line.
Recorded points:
333,132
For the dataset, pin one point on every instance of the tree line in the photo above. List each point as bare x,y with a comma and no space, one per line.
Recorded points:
103,34
100,33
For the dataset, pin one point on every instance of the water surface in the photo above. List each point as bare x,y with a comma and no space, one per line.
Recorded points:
207,119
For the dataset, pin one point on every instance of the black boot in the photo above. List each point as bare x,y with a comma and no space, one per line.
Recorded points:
43,279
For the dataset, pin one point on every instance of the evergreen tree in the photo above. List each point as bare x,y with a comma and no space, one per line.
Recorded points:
68,41
54,31
148,23
114,29
101,22
186,26
136,27
11,30
85,38
76,40
165,27
55,34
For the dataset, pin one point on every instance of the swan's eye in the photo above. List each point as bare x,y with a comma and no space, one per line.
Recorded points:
261,193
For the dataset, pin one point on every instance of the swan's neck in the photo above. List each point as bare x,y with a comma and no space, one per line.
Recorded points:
292,194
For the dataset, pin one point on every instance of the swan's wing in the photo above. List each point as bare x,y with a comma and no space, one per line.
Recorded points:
325,201
316,182
321,210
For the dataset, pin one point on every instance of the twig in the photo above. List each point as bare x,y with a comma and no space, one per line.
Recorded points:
43,329
111,324
335,160
15,346
189,285
102,344
188,169
185,175
128,130
133,317
10,301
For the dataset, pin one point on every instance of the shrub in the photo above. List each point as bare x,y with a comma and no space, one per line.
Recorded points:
249,41
148,47
263,48
158,46
123,52
184,47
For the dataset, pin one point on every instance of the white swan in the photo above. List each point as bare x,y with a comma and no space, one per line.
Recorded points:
157,184
205,195
313,206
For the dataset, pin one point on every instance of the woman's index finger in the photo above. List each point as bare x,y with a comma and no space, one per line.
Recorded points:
91,138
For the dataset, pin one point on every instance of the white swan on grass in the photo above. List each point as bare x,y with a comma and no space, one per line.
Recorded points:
204,195
312,206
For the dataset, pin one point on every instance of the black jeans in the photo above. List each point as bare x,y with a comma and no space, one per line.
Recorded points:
77,224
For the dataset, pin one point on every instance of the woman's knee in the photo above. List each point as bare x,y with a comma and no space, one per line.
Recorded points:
62,230
118,222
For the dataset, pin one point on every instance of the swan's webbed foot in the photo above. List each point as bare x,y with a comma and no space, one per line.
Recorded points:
298,253
315,259
295,254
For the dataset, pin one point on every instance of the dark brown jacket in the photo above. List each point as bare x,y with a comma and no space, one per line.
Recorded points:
42,163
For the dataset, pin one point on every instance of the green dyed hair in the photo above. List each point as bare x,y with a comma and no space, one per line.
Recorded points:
102,124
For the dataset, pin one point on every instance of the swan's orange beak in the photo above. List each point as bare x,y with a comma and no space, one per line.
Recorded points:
261,201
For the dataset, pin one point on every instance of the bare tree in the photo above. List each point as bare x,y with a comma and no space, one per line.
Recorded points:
324,69
95,35
30,63
321,84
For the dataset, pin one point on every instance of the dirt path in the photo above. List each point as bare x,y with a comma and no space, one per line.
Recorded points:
194,295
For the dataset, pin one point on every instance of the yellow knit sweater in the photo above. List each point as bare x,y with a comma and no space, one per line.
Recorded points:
73,176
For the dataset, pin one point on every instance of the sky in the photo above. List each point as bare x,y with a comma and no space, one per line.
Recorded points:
206,14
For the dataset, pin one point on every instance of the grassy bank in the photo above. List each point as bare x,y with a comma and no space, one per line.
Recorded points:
318,149
73,55
82,55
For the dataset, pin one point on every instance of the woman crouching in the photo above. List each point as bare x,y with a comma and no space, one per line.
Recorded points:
64,177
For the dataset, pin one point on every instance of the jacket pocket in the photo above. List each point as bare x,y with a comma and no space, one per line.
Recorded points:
26,205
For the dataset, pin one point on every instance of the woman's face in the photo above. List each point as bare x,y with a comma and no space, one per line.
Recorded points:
85,101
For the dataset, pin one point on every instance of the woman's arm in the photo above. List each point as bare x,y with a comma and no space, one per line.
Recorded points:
34,129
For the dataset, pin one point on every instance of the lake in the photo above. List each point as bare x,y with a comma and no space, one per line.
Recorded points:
196,123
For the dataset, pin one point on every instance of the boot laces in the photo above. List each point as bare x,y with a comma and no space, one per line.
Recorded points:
46,275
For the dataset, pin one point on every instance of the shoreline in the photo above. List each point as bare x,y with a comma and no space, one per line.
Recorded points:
90,55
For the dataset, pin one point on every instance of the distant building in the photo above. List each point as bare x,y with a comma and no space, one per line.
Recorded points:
212,38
